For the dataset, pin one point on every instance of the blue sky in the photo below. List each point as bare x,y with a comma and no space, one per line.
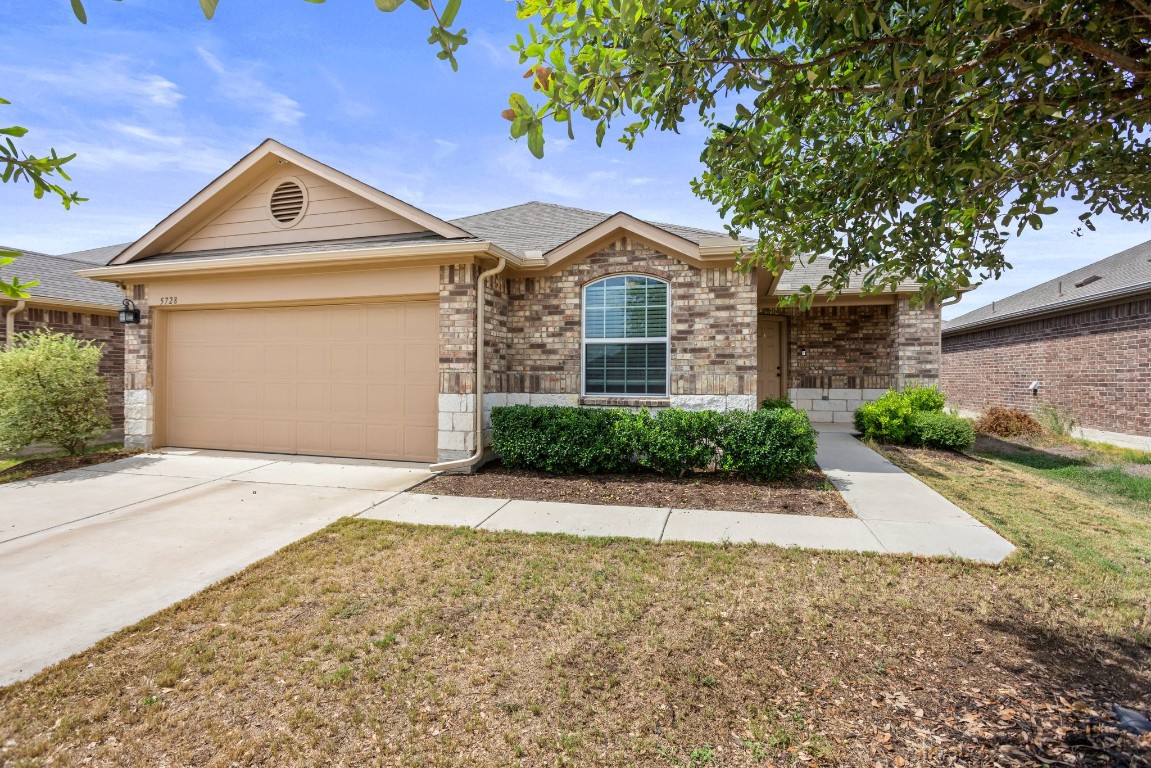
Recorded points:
158,101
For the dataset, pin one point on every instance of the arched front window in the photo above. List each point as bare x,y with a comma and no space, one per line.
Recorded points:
625,338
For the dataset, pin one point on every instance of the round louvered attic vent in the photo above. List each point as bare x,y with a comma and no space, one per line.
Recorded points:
288,202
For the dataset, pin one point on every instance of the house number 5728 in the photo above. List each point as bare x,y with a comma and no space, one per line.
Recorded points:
167,299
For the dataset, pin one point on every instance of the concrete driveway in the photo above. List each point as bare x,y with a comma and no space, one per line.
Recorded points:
88,552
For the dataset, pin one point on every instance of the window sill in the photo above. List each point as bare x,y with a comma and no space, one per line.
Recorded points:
609,401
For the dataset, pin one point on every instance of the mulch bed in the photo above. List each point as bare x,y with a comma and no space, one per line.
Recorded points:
52,464
809,494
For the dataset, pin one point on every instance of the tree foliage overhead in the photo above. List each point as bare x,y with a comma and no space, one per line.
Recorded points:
906,140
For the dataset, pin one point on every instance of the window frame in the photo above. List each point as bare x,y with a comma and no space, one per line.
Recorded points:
665,340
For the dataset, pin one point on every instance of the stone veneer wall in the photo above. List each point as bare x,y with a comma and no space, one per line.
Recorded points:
139,402
1095,364
103,329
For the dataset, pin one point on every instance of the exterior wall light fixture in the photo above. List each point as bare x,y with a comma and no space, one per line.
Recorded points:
129,314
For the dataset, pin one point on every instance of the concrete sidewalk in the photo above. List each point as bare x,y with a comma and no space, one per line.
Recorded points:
895,513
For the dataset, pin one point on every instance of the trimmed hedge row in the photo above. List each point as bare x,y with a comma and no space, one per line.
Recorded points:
767,444
914,417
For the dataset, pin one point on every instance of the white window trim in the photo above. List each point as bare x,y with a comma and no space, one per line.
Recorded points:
584,341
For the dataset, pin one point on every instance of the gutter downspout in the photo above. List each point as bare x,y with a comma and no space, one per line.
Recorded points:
10,320
481,300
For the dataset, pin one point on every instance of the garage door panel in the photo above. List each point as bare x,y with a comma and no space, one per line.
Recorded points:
348,361
422,401
348,439
350,380
349,400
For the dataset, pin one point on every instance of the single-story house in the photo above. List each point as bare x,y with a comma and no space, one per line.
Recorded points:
67,303
1080,343
288,307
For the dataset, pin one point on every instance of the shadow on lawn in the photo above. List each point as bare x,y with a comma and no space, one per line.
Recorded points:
1025,455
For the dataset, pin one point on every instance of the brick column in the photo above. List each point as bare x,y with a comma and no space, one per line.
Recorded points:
457,361
915,339
139,401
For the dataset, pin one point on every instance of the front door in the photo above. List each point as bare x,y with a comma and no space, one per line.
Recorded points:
770,346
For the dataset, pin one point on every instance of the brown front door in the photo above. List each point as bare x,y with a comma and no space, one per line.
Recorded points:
770,346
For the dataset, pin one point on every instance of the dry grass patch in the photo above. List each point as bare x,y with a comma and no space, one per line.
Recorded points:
378,644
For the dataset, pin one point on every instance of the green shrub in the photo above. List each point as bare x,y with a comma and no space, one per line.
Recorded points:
562,440
770,444
51,391
887,420
776,402
675,442
1056,421
941,430
928,399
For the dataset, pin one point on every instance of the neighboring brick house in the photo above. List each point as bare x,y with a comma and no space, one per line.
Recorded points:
64,302
1085,337
291,308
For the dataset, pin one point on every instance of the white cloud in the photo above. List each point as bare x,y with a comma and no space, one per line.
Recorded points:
238,84
445,148
107,80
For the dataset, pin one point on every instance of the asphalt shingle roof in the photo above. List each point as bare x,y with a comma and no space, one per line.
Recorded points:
350,244
96,256
537,226
811,274
58,278
1126,273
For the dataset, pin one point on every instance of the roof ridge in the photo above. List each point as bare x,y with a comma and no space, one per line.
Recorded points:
524,205
24,251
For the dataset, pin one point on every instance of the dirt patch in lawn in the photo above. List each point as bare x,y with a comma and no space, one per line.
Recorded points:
811,493
37,467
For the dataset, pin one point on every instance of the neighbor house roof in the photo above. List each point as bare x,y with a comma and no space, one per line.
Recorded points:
97,256
1127,273
58,280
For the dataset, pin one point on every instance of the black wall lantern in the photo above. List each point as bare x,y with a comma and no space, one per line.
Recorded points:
129,314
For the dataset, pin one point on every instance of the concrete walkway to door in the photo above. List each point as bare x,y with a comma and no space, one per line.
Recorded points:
88,552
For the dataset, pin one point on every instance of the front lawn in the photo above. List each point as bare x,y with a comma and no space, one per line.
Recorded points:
373,643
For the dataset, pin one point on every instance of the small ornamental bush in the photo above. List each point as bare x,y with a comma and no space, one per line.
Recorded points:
51,391
928,399
676,442
768,444
561,440
1008,422
887,420
776,402
941,430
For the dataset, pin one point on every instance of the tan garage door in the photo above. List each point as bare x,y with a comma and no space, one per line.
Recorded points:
356,380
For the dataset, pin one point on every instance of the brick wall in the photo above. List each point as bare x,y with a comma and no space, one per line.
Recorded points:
712,330
848,347
1094,364
915,338
103,329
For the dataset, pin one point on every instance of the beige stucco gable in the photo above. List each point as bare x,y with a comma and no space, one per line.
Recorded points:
331,212
233,211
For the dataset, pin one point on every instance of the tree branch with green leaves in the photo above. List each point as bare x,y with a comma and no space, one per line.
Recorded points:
906,142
